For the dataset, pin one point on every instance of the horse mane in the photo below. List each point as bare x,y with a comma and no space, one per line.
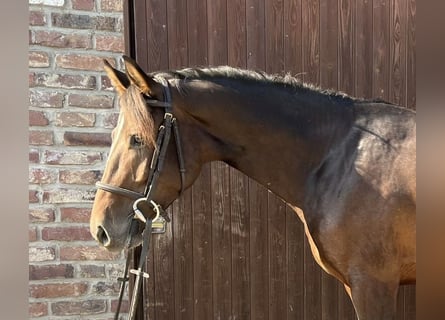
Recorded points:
287,81
136,112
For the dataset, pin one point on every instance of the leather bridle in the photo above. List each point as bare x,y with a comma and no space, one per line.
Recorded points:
157,162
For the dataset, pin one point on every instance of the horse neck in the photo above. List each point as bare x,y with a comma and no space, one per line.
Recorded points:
272,135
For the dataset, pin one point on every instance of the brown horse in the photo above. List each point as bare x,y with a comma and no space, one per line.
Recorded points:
349,164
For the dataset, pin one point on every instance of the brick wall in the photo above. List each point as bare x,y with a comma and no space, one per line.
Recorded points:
72,110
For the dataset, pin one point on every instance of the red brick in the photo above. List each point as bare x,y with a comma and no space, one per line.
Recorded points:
87,139
102,288
125,307
32,234
73,21
91,271
78,215
34,156
80,176
42,176
71,157
62,40
110,43
37,254
80,62
66,234
33,196
57,290
66,81
87,5
82,308
75,119
41,138
32,77
62,195
111,5
41,215
90,101
45,99
110,120
107,23
37,118
38,59
38,309
105,84
52,271
83,253
37,18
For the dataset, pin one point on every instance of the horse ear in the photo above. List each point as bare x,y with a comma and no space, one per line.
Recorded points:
139,78
118,79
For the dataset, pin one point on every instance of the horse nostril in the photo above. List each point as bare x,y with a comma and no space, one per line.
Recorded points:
102,236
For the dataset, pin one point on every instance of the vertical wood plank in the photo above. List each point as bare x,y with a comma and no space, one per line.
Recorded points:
259,252
141,37
346,46
259,267
183,256
239,203
411,56
201,199
398,42
330,40
345,308
163,274
202,245
239,196
221,239
177,34
274,41
255,33
364,49
311,69
294,228
157,35
221,234
274,46
236,33
217,32
381,47
295,262
410,302
292,37
400,314
277,258
311,41
197,32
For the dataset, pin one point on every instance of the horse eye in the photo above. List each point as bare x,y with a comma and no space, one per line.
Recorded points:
136,141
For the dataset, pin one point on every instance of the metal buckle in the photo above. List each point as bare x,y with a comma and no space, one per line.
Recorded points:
159,225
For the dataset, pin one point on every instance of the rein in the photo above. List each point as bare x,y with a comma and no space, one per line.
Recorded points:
157,162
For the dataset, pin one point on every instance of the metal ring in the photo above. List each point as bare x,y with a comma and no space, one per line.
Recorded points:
139,215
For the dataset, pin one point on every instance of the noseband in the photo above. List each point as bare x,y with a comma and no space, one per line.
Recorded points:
157,162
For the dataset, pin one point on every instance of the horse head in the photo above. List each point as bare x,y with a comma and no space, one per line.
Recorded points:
129,166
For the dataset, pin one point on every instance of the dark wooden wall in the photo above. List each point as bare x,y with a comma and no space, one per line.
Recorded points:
235,251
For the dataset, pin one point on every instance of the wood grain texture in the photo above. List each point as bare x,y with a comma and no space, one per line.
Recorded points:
221,241
381,48
364,49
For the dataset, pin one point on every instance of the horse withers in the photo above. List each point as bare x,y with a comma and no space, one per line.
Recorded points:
346,165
